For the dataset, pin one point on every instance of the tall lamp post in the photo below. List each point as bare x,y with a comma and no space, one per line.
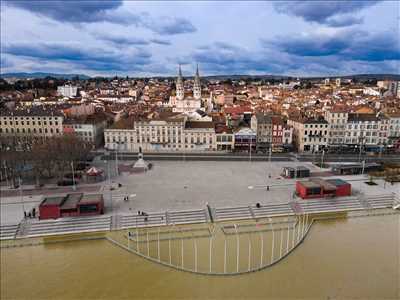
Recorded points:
21,195
116,159
360,145
107,161
73,176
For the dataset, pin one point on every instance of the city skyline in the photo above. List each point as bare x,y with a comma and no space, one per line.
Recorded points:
106,38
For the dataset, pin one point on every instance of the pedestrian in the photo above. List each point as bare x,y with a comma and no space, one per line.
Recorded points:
29,215
25,214
267,187
138,212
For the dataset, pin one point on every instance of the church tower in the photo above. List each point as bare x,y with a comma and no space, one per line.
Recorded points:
197,85
180,90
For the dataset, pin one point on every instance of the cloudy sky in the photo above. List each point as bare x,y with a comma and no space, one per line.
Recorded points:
146,38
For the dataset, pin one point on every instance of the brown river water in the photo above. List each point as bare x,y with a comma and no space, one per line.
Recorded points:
347,258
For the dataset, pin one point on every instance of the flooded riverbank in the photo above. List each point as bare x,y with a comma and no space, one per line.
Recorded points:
340,259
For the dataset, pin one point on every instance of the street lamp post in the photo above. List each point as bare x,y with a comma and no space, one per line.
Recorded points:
250,141
322,158
116,160
5,173
106,153
73,176
360,145
21,195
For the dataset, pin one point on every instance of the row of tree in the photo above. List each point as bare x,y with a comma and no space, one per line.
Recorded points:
41,158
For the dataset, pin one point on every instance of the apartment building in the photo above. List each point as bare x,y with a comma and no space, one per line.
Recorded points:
67,91
88,128
225,139
245,140
394,125
310,134
261,124
337,119
367,129
32,122
282,134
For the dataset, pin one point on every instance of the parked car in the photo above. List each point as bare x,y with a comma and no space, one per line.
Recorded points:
76,175
81,166
65,182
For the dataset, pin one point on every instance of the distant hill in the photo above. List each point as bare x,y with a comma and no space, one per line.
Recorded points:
42,75
280,77
361,77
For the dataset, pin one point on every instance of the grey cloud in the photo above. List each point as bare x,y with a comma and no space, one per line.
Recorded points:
348,44
93,11
86,58
324,12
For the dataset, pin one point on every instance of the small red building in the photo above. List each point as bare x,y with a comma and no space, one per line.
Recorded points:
75,204
50,207
343,188
319,188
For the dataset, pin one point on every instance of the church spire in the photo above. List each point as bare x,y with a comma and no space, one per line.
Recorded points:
197,77
180,92
197,85
180,72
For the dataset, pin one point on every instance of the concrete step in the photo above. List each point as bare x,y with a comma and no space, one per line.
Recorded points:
67,228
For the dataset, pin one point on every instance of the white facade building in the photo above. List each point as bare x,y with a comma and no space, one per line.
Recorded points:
163,133
89,130
31,123
67,91
337,119
394,127
310,134
367,129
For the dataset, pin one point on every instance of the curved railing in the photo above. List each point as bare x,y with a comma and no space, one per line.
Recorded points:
284,236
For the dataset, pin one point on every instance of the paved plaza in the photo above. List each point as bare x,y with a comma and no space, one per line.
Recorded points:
176,186
190,185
